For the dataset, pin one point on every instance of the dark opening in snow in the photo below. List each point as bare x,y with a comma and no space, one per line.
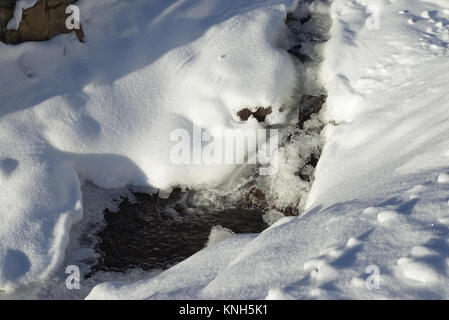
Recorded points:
260,114
154,233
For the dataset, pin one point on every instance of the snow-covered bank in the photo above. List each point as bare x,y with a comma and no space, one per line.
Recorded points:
380,196
104,110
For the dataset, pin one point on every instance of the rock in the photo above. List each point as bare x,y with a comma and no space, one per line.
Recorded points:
260,114
13,37
41,22
35,23
291,17
6,13
255,198
296,51
309,105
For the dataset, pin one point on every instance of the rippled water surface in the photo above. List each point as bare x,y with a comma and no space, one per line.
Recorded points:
155,233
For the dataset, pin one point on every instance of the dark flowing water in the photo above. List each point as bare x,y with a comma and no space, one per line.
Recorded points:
155,233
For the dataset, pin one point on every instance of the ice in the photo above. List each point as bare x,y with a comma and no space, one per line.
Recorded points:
218,234
272,216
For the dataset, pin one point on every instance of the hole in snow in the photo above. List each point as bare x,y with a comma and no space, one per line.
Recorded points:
260,114
155,233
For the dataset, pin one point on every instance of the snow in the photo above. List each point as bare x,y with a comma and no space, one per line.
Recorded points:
379,200
376,223
103,111
417,271
443,178
276,294
387,215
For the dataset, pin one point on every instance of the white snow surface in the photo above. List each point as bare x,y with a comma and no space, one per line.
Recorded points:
103,110
380,196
